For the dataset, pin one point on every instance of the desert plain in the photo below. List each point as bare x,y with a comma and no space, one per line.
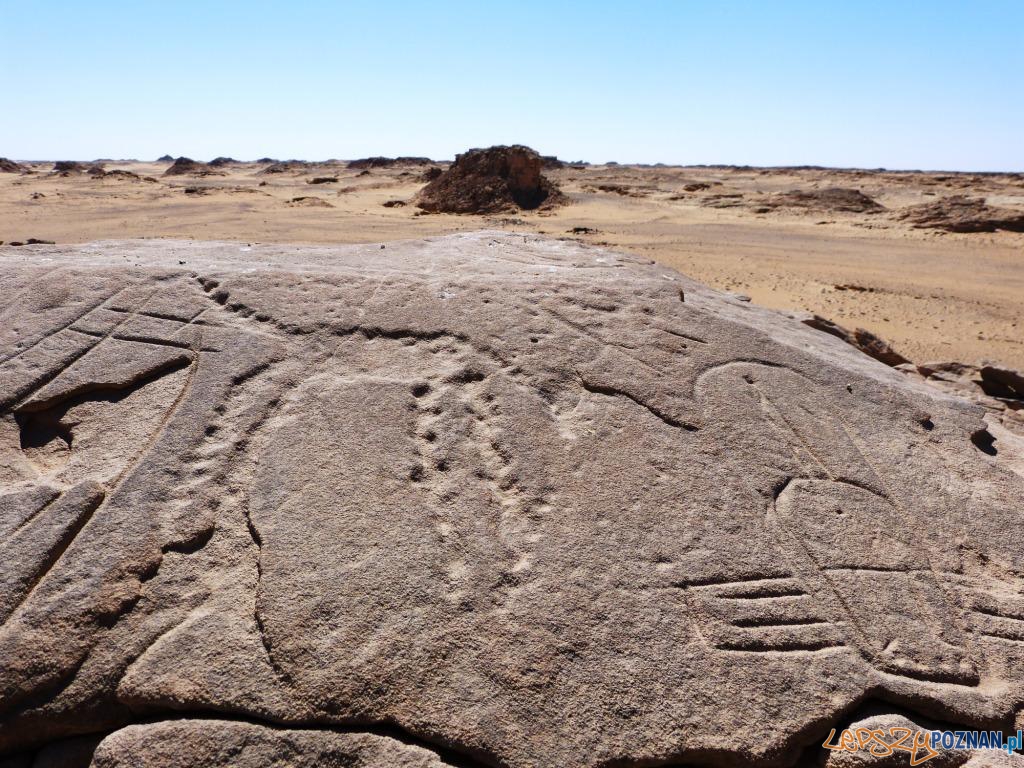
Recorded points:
934,295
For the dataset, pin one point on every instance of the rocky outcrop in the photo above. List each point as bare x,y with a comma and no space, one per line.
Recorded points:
286,166
120,175
73,166
186,166
830,200
431,173
480,500
861,338
958,213
309,201
999,390
9,166
491,181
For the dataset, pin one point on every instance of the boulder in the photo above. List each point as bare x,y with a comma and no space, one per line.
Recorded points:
480,500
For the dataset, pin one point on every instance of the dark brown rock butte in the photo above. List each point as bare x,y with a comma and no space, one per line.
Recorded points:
481,500
491,181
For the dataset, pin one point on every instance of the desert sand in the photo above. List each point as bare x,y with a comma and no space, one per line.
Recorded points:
486,500
934,295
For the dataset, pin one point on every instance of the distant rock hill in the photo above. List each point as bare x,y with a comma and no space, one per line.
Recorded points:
186,166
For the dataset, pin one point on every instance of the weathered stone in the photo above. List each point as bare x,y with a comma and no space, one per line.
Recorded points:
483,500
862,339
213,743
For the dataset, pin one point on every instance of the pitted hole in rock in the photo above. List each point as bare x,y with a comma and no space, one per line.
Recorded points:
44,440
985,442
467,376
420,389
44,437
927,424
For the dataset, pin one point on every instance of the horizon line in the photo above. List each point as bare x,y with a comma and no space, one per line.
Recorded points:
724,166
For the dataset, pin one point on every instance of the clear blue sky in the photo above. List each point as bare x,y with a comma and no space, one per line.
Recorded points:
930,84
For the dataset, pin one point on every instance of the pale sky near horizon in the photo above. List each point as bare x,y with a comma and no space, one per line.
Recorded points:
897,84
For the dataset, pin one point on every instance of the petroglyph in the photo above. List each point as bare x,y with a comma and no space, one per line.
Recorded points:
478,500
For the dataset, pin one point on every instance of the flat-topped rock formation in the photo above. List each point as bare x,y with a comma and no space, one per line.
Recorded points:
478,500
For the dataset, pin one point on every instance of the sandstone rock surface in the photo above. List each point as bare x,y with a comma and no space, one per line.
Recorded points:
484,500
